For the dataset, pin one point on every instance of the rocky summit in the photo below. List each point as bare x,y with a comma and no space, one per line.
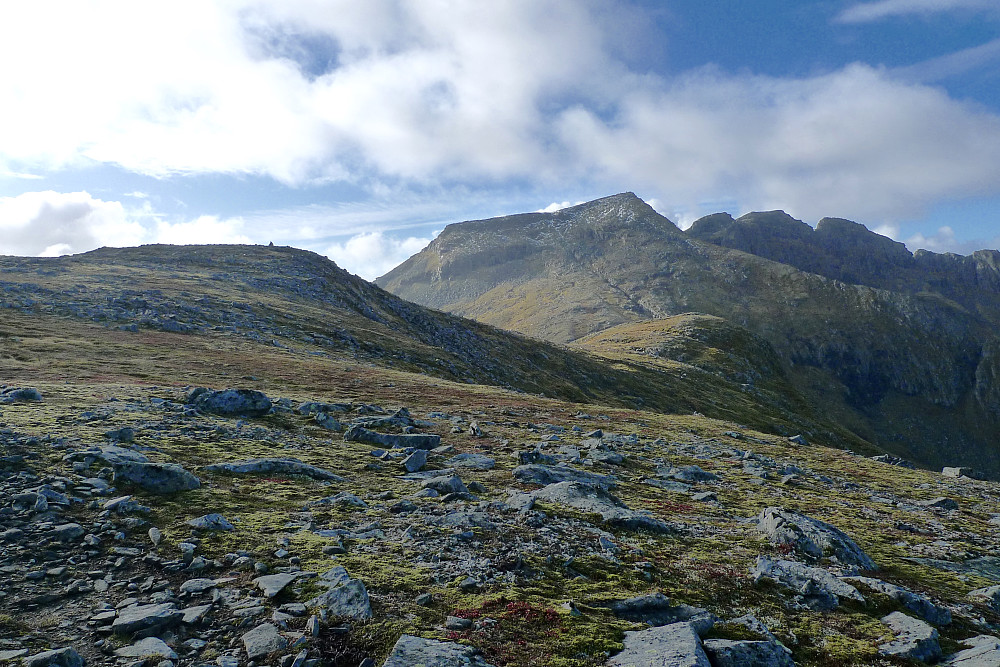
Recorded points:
231,456
899,349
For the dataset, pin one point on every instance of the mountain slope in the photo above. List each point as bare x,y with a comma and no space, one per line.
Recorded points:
300,302
913,371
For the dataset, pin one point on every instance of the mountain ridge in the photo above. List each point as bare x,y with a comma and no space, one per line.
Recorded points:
870,357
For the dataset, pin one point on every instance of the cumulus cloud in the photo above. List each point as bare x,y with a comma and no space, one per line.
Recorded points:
866,12
945,240
52,223
427,93
373,254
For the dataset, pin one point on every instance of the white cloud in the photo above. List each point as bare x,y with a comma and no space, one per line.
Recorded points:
52,223
429,93
204,229
374,254
865,12
945,240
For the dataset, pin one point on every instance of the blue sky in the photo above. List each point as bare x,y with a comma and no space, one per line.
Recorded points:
359,130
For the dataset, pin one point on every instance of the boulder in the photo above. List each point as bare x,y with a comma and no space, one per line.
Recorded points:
270,466
445,484
811,537
146,620
410,651
471,461
818,588
989,595
918,604
415,461
730,653
262,640
344,596
983,651
358,433
597,500
150,647
60,657
157,478
232,402
20,394
272,584
676,645
543,475
915,639
655,609
211,522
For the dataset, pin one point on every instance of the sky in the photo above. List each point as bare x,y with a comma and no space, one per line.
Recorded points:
360,129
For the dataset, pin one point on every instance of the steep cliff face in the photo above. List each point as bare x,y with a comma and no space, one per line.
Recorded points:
865,342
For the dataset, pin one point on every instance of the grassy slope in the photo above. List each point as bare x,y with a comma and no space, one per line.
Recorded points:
85,367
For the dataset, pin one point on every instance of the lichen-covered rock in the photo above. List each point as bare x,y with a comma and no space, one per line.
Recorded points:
818,588
676,645
915,639
655,609
543,475
344,596
358,433
412,651
811,537
918,604
989,595
146,620
20,394
211,522
231,402
287,466
983,651
596,500
61,657
157,478
262,640
730,653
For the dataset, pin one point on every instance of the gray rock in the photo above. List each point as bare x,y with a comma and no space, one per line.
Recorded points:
811,537
156,477
344,596
358,433
655,609
211,522
272,584
819,589
415,461
146,620
287,466
445,484
197,586
729,653
343,498
195,615
587,498
543,475
20,394
989,595
151,647
918,604
915,639
262,640
60,657
983,651
940,503
471,461
675,645
233,402
67,532
412,651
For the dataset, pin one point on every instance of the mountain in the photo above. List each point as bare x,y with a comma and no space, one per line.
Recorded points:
897,363
225,455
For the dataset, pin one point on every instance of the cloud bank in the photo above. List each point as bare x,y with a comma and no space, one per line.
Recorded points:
433,94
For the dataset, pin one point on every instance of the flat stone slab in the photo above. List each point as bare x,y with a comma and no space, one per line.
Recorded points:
272,584
358,433
655,609
543,475
412,651
983,651
674,645
146,620
918,604
344,596
268,466
472,462
915,639
60,657
148,647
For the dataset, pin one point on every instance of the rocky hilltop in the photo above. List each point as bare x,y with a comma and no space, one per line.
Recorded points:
902,350
236,456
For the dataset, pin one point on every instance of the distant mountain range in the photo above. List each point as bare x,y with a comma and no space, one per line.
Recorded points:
900,349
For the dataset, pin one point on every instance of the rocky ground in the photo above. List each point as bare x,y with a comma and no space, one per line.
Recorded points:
158,525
